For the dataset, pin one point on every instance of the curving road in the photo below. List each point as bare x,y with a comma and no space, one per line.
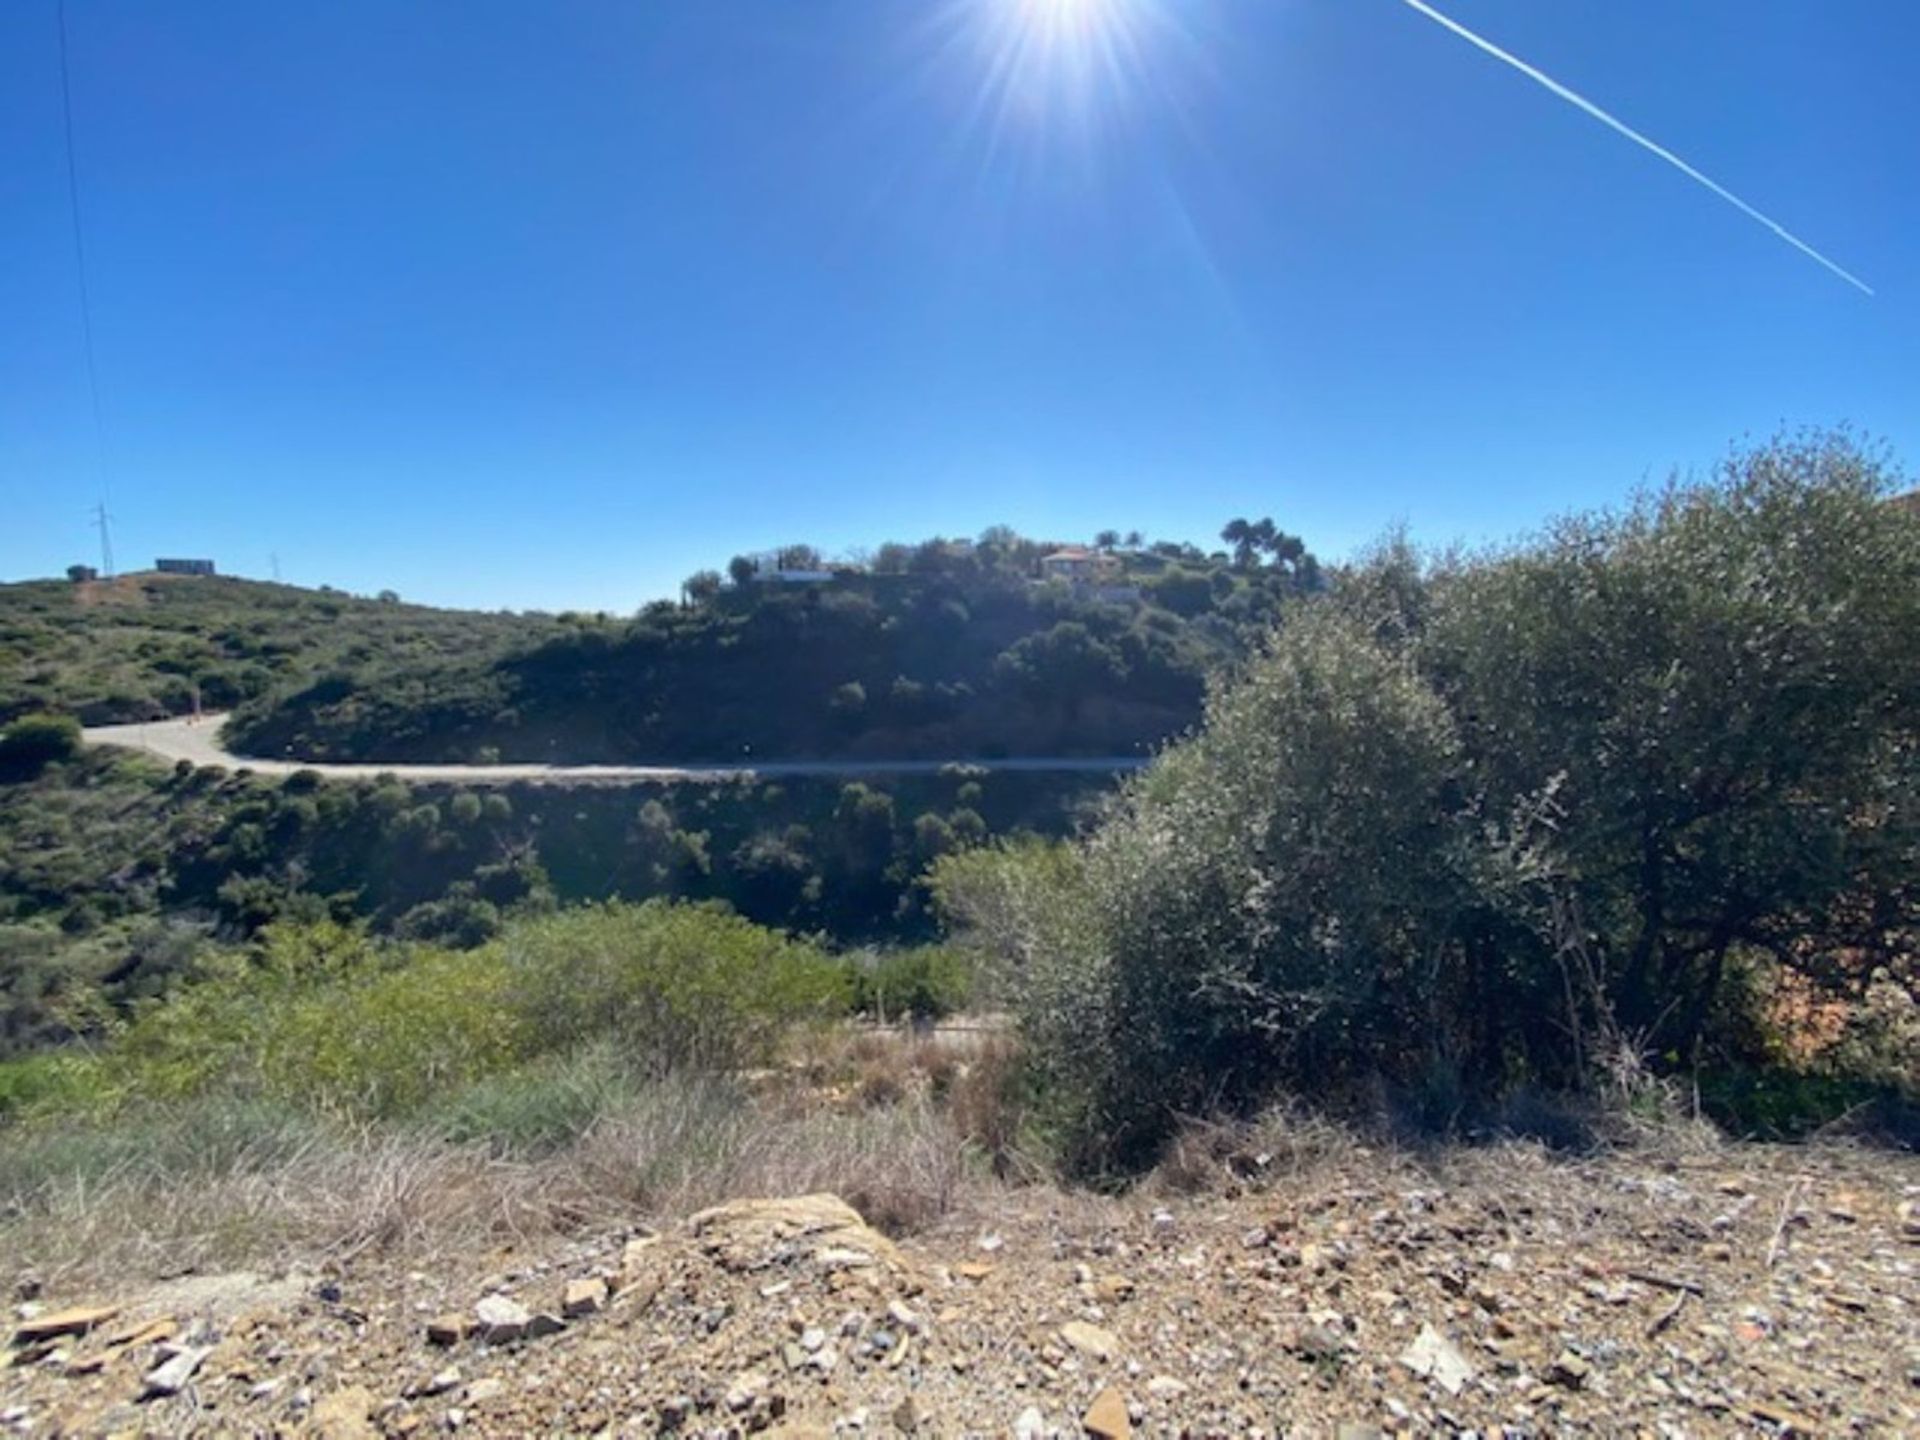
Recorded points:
198,742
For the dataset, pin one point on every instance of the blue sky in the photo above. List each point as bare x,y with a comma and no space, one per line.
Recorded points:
549,304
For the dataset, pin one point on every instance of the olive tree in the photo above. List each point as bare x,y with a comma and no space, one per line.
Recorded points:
1717,695
1279,898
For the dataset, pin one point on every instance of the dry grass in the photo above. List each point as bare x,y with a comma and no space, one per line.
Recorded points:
1287,1145
910,1129
144,1206
970,1072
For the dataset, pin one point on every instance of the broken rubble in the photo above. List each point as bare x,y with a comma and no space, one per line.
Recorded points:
1106,1418
1569,1369
1204,1329
583,1297
1090,1340
171,1375
344,1415
448,1329
52,1325
754,1234
502,1321
1434,1357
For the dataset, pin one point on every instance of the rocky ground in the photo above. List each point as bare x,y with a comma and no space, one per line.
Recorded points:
1732,1291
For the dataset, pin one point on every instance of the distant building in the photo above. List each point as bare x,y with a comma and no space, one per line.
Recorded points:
1075,564
79,574
184,567
767,567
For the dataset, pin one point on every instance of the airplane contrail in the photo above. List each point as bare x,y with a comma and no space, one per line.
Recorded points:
1571,97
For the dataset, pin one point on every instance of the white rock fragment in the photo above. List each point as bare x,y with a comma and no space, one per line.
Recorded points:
501,1319
1434,1357
170,1377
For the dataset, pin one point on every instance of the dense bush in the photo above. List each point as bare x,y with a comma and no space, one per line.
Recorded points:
1712,702
673,986
1477,820
321,1018
926,982
35,741
1275,899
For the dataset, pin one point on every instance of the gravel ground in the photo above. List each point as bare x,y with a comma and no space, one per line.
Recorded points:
1737,1290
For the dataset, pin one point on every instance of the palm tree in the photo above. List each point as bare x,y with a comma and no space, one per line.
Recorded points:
1239,535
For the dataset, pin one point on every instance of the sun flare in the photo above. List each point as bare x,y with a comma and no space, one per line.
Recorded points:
1055,60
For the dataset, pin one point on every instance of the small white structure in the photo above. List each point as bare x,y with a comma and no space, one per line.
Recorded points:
1073,563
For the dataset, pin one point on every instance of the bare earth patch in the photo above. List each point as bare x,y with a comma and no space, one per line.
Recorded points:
1740,1290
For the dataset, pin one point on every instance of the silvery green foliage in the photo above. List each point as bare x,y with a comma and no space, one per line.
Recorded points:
1467,816
1025,913
1722,687
1277,897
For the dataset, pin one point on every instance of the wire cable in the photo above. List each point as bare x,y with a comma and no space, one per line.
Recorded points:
80,250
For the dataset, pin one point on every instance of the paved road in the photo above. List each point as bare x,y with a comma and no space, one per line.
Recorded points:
198,741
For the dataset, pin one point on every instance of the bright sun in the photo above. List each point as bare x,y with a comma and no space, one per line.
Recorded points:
1052,57
1065,12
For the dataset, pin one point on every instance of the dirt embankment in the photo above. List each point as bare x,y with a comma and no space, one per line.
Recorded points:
1745,1291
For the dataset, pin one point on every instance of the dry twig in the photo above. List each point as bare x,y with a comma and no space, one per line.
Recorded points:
1667,1282
1788,1208
1669,1315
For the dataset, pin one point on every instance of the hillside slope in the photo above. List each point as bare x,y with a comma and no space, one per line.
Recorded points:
969,654
145,646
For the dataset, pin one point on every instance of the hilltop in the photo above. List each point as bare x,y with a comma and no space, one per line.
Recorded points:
948,649
945,650
121,880
144,646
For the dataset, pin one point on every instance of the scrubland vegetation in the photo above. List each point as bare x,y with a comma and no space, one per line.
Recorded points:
146,646
949,649
120,882
324,1088
1619,823
1637,798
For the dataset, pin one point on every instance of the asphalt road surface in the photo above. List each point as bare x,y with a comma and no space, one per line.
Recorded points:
198,741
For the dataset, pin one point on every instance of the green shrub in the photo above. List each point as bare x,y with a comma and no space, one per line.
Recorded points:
672,986
33,742
50,1080
461,919
927,982
1276,899
537,1108
318,1017
391,1042
1714,700
1466,826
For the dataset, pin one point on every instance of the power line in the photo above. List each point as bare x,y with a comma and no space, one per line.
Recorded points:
80,250
100,519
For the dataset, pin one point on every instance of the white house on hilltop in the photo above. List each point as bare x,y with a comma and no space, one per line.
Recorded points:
1073,563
